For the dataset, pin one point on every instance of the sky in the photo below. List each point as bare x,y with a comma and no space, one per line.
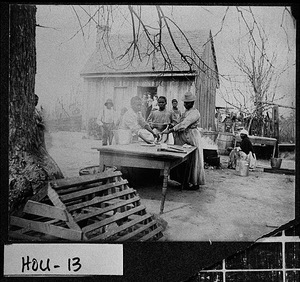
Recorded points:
63,49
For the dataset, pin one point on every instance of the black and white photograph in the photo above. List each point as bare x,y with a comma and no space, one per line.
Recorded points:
155,124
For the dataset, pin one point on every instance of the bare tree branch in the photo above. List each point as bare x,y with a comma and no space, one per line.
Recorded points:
81,28
250,29
222,22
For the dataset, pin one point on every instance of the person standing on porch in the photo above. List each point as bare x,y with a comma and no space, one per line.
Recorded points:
148,105
155,103
186,132
107,120
144,105
176,113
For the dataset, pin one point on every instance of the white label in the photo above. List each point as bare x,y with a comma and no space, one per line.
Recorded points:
63,259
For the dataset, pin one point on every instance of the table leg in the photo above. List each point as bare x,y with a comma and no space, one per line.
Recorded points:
274,149
187,173
164,189
101,163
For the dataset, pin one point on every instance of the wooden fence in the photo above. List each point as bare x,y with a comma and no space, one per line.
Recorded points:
287,130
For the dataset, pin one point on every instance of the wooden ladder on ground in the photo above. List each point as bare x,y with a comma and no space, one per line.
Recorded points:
96,207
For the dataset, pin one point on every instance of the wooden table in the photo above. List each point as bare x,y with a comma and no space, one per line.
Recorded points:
260,141
145,156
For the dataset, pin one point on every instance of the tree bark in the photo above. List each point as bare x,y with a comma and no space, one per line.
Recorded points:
30,165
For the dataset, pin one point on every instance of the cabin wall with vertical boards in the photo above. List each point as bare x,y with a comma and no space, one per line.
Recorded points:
98,90
206,84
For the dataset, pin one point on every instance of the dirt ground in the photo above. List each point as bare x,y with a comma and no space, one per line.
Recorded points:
227,208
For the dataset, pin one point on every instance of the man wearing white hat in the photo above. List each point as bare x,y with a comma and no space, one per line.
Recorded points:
186,132
245,151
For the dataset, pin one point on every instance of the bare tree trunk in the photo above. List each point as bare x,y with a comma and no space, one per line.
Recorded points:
249,125
29,164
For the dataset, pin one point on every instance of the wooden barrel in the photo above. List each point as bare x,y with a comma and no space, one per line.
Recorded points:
224,141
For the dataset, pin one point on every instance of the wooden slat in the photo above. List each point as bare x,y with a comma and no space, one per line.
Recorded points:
53,196
151,234
41,194
83,179
37,208
98,200
22,236
106,209
77,188
86,186
22,230
137,231
46,228
53,221
89,191
112,219
112,201
122,227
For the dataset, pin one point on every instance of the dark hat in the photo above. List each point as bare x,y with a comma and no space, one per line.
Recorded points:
188,97
109,101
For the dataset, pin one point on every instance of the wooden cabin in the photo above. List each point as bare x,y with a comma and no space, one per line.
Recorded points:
108,74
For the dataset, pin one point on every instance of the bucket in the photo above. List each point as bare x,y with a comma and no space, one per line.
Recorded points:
224,141
122,136
276,163
242,168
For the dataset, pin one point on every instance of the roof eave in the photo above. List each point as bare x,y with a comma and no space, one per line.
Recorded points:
215,58
139,74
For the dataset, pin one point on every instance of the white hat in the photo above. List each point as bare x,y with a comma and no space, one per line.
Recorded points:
244,131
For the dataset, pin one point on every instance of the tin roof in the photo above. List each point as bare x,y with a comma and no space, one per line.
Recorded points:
108,57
